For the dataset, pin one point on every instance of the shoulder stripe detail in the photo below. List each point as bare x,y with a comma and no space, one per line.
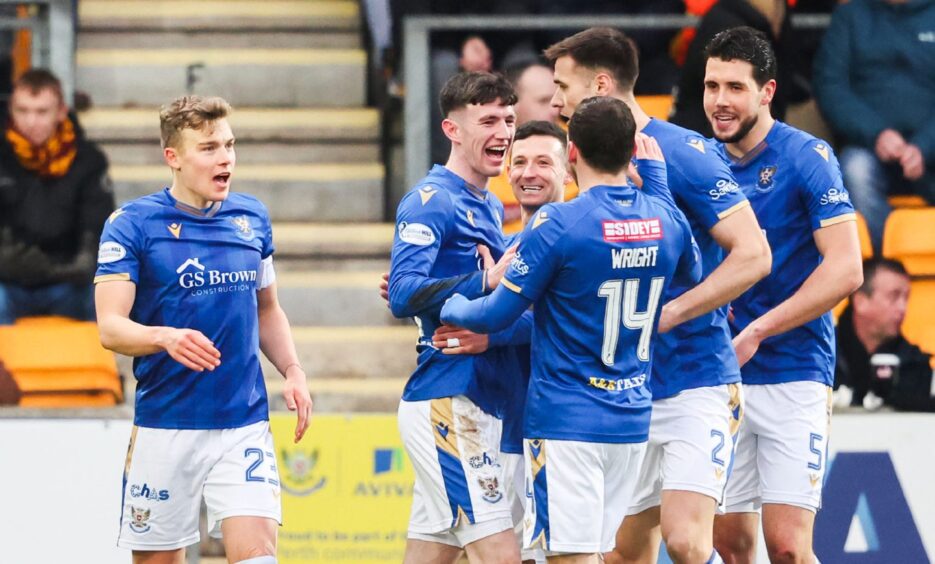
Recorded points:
734,208
839,219
121,277
511,286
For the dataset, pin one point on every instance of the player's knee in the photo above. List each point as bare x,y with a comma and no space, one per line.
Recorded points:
733,542
787,550
684,547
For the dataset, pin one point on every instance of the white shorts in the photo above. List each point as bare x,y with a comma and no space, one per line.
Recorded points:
514,471
454,446
781,454
691,444
580,493
168,470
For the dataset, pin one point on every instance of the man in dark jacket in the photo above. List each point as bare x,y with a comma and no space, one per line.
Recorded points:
872,354
54,197
875,84
768,16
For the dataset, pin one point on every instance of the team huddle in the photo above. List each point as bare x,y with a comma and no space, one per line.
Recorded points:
649,361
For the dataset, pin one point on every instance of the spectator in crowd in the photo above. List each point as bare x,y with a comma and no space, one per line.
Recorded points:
874,360
875,84
54,197
769,16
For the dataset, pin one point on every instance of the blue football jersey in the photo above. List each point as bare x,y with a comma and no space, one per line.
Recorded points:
699,352
439,224
195,269
794,184
596,269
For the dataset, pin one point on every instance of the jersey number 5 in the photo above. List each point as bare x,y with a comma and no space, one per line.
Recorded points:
621,309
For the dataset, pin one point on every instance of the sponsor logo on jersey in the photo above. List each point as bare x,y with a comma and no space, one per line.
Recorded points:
519,266
110,251
139,518
116,213
300,479
149,493
415,234
723,188
490,486
765,180
478,461
618,385
639,257
835,196
202,281
242,228
632,230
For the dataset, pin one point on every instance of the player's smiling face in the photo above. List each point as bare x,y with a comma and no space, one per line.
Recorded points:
573,83
537,171
483,135
733,101
203,163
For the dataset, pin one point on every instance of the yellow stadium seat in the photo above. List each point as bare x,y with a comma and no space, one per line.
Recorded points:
863,233
909,236
657,106
919,325
59,362
837,310
907,201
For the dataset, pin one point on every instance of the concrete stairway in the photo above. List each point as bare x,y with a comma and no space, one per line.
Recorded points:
307,146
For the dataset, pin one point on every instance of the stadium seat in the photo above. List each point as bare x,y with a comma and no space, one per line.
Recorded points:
909,236
657,106
907,201
863,233
59,362
919,327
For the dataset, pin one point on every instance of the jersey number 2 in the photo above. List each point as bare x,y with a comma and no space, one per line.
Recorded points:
621,310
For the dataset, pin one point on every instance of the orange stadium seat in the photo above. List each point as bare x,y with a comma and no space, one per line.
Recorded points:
863,233
907,201
909,236
919,326
657,106
59,362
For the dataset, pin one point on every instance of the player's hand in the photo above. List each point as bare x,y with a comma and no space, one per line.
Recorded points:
453,305
455,340
634,175
890,145
190,348
746,344
385,288
298,399
668,319
647,148
495,273
913,162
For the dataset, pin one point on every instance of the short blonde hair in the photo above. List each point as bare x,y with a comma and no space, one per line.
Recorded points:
189,112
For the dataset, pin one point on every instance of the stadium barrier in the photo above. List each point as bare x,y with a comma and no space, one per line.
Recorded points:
347,489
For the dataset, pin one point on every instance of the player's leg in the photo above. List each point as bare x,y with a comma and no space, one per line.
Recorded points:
249,537
787,530
792,466
637,539
159,556
430,552
735,536
242,493
497,548
514,472
687,520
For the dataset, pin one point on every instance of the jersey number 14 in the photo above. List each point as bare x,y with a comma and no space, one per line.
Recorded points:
621,298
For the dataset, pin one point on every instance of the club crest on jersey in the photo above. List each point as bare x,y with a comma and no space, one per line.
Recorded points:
300,472
490,485
242,228
139,519
623,231
765,180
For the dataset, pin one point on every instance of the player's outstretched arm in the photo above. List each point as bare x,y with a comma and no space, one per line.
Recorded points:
458,340
488,314
838,275
122,335
277,344
748,260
